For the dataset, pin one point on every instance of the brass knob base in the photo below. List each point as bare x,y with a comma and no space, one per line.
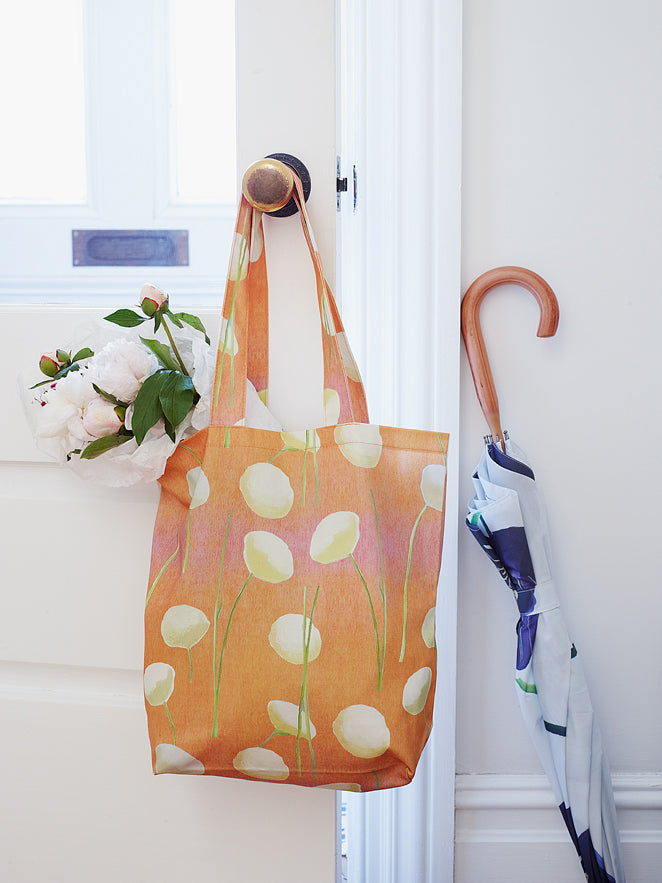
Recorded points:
268,184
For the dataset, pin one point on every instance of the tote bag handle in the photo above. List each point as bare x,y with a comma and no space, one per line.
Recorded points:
243,347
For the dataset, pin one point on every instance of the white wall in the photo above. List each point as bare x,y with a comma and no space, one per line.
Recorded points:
562,134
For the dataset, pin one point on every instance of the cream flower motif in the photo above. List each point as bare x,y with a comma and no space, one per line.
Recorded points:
261,763
267,556
331,407
301,440
267,490
335,537
198,486
183,626
342,786
285,718
360,443
428,628
257,240
239,256
433,485
362,731
286,636
121,368
172,759
415,693
225,345
100,418
347,358
159,682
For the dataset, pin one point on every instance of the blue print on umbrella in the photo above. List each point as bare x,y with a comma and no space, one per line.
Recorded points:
526,638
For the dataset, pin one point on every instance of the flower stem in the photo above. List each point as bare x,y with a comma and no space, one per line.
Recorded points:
404,615
275,456
303,700
172,726
382,582
160,574
217,612
188,539
190,662
374,620
191,452
220,663
174,345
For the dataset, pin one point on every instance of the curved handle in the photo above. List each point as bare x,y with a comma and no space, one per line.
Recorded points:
473,336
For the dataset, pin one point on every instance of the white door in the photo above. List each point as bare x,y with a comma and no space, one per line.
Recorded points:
78,801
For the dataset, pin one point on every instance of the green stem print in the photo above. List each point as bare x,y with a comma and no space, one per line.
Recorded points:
382,583
308,444
374,621
172,726
218,607
271,735
160,574
405,591
304,708
229,326
214,731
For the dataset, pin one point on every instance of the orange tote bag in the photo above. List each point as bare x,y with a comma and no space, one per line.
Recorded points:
289,624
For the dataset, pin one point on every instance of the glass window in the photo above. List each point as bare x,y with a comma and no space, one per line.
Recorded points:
42,102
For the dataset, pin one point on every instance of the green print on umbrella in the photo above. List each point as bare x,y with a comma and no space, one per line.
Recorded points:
159,682
306,440
433,486
238,268
267,558
183,626
334,539
297,641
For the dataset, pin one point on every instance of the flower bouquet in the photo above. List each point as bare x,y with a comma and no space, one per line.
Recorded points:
115,409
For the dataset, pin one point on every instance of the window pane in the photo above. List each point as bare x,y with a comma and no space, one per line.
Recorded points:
42,102
203,101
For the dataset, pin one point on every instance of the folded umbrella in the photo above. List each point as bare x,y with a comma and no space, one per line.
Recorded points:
507,518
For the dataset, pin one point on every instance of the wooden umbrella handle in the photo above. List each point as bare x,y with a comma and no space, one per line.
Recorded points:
473,336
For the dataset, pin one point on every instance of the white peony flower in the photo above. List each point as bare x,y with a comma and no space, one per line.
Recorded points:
60,414
100,418
121,368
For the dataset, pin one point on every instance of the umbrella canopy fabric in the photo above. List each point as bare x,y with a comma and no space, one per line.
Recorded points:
507,518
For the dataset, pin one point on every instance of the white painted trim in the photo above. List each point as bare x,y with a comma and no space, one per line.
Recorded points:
641,791
70,685
120,284
400,287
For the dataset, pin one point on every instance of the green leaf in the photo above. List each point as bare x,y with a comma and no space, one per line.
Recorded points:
175,319
176,397
194,322
126,318
147,408
101,445
85,353
163,353
158,318
108,397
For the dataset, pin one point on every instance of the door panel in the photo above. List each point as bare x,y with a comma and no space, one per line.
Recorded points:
79,801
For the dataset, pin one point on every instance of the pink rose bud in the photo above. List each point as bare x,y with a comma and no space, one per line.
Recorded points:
153,300
100,418
49,364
